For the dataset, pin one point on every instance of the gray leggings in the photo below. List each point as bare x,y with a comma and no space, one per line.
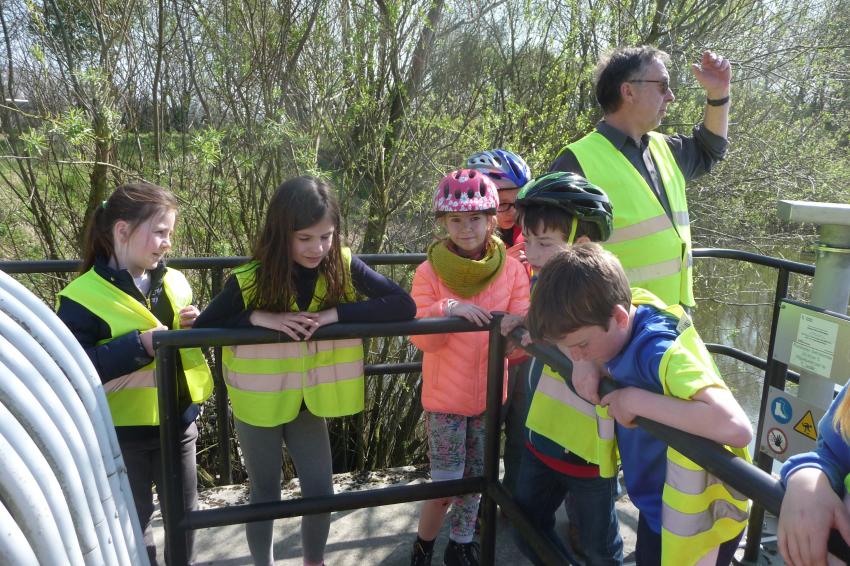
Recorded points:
306,438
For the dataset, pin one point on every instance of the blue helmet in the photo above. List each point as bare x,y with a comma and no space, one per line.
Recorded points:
501,164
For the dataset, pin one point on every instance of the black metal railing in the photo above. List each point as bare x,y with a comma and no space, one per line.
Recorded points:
178,521
217,266
753,481
775,375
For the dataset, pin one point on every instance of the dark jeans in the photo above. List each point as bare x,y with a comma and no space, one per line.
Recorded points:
144,469
648,547
541,490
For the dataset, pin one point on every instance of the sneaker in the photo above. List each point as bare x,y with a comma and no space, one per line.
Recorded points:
420,556
462,554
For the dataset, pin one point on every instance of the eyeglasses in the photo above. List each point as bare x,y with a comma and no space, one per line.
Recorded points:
505,206
663,84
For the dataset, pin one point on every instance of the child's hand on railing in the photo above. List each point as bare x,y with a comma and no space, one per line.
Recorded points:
296,325
325,317
809,510
472,313
620,405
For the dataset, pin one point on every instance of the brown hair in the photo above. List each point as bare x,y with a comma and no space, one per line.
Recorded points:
618,67
133,203
534,215
297,204
579,287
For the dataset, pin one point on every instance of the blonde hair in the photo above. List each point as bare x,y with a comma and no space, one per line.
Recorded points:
841,419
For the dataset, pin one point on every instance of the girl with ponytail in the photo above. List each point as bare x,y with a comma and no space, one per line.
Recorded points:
124,294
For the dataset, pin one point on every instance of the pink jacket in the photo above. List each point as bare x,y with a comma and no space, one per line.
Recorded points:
454,367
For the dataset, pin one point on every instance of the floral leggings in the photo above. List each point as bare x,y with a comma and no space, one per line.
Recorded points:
456,450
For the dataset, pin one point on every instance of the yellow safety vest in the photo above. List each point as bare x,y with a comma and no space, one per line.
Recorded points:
655,253
699,511
133,397
267,382
581,427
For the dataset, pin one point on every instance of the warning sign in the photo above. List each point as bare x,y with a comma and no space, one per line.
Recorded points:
806,426
777,441
790,425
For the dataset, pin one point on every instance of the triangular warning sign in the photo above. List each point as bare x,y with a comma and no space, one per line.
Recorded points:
806,426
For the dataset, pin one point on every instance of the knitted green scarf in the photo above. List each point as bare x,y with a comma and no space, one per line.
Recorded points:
467,277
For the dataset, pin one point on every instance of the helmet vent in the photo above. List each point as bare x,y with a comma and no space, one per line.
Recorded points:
457,195
446,191
482,189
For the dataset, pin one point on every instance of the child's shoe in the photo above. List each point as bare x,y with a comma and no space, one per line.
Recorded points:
422,553
462,554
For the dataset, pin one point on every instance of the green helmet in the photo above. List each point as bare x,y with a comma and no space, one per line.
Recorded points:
573,194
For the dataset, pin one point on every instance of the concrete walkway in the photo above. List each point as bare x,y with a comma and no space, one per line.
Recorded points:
378,535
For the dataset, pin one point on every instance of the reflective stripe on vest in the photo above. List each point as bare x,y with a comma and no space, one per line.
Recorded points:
655,253
133,397
699,511
580,427
268,382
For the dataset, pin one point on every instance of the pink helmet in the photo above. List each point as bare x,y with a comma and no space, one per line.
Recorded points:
466,190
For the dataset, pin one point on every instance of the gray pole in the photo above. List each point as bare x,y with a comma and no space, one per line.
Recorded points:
831,290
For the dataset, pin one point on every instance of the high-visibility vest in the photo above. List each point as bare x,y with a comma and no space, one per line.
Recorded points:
580,427
655,253
699,511
268,382
133,397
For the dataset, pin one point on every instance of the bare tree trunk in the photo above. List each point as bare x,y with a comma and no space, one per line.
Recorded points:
157,76
376,224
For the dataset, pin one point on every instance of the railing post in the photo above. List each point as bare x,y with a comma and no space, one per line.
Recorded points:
222,407
171,487
774,376
495,383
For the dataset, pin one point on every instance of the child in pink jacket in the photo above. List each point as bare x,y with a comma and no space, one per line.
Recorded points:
468,274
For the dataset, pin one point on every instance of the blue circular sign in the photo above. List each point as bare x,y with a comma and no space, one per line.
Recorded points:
781,410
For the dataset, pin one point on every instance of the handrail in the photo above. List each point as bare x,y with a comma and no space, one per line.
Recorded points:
747,358
225,262
178,521
228,262
758,259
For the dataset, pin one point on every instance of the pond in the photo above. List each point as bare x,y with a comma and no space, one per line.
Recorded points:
734,307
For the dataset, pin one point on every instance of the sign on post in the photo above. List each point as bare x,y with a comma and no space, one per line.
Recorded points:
812,341
790,425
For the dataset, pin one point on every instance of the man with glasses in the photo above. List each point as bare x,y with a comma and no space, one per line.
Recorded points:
644,172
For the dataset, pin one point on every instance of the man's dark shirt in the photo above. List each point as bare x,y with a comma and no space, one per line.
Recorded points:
695,155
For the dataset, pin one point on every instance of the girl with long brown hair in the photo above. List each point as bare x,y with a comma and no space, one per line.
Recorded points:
299,279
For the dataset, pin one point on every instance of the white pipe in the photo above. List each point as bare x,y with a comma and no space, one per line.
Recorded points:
23,445
22,496
14,548
53,389
79,485
58,341
109,528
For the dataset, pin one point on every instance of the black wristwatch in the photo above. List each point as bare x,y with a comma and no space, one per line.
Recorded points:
717,101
